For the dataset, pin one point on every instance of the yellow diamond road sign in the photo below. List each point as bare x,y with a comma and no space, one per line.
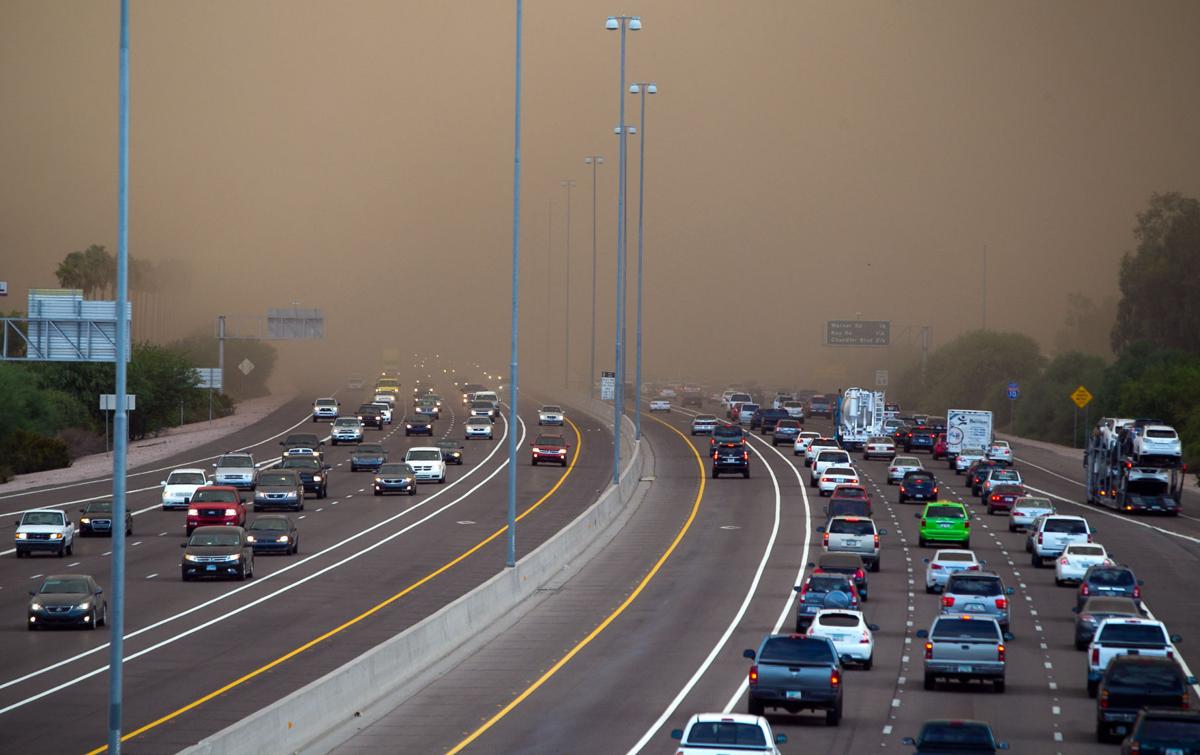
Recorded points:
1081,396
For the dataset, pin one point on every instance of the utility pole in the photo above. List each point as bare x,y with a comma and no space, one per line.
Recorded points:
568,185
549,278
985,287
594,161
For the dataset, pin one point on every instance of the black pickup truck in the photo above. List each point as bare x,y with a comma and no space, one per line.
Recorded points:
313,473
795,673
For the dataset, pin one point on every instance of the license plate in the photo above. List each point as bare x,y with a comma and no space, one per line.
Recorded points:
210,567
852,543
944,525
964,669
975,607
793,695
1173,751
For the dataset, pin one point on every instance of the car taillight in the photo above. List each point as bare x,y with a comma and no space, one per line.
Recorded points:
1137,592
995,497
947,601
1084,589
877,545
935,566
1001,603
753,675
1095,656
929,650
1089,538
1103,698
1041,538
826,539
826,479
866,638
972,567
902,489
935,490
967,524
1000,652
835,678
924,522
859,574
1064,562
746,455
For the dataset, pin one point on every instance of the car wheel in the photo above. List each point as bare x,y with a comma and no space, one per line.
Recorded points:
441,479
875,565
1058,582
1011,528
715,473
902,499
333,441
533,462
930,681
921,542
62,550
32,626
745,474
184,575
1092,687
1080,645
296,546
1036,561
753,707
94,624
377,492
1028,546
412,490
833,716
998,686
129,530
930,589
869,664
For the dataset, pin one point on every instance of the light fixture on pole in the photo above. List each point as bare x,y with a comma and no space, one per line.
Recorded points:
622,24
641,89
511,556
594,161
568,184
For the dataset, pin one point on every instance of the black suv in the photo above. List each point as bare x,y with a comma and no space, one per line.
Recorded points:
1109,581
1132,682
313,474
921,437
370,416
727,435
918,486
765,419
1163,729
730,458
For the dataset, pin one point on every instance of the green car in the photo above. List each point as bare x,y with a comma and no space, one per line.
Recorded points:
944,522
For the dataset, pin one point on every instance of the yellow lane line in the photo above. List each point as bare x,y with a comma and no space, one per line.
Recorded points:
373,610
610,618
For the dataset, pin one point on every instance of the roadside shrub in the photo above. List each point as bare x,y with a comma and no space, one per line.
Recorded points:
30,452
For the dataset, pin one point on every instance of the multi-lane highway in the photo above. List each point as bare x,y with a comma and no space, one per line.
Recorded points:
653,630
200,655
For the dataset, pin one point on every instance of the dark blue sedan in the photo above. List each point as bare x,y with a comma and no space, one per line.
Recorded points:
273,533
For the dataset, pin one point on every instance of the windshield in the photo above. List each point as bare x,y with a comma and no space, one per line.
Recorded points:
42,517
1176,733
268,478
739,398
823,584
549,440
851,527
1146,677
850,506
369,449
270,524
1005,475
967,629
100,507
481,404
846,491
1111,578
920,478
967,557
215,496
215,539
397,469
1160,434
235,462
416,455
1133,635
1068,526
784,424
796,650
552,409
749,408
974,586
310,464
302,439
479,422
956,736
944,512
1084,550
326,402
905,461
185,478
838,620
726,733
1035,503
834,456
345,422
65,585
705,418
841,472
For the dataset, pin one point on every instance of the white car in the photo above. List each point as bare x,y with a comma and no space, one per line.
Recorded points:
704,424
1157,441
44,530
236,470
1075,560
1026,510
966,458
385,398
803,441
427,463
180,486
795,409
879,446
1050,535
946,562
849,632
902,465
550,415
1000,451
325,408
346,430
479,427
833,476
385,411
660,405
816,447
711,733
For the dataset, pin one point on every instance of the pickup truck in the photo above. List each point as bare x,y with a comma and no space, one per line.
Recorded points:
1133,683
1126,636
796,673
964,647
44,530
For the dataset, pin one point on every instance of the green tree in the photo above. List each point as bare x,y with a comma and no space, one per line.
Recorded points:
1046,410
1158,281
972,371
1087,326
93,270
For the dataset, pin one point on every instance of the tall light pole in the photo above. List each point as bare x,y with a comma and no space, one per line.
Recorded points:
594,161
622,24
642,89
549,265
511,557
568,185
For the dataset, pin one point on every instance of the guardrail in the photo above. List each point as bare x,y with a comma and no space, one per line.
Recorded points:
335,702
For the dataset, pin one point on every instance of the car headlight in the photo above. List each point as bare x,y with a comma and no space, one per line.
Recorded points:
56,536
316,478
85,520
22,536
35,606
250,539
408,426
378,479
234,557
283,538
230,512
193,512
85,605
188,557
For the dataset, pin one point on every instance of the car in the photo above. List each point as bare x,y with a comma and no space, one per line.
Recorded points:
736,397
325,409
978,593
918,486
386,409
395,478
745,413
1075,560
833,476
279,488
1026,510
965,458
730,458
660,405
215,505
920,437
782,396
483,409
965,647
1050,535
999,476
302,444
704,424
1109,580
976,473
846,505
795,410
849,632
435,398
427,463
1163,730
478,427
346,430
785,431
821,590
944,522
387,385
179,486
384,398
427,407
999,451
902,465
954,736
96,518
417,424
356,382
850,490
548,448
273,533
879,447
766,419
451,451
1132,683
706,733
727,435
1157,444
853,534
234,469
67,599
826,458
820,406
817,446
803,440
941,447
947,562
692,400
847,564
1120,635
367,456
1094,611
217,552
370,416
313,474
1001,497
550,414
795,673
44,530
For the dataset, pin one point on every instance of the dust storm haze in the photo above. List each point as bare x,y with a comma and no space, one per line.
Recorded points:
805,161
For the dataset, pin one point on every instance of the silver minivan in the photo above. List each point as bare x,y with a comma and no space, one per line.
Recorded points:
853,534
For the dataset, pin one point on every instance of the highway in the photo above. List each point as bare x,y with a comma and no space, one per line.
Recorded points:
201,655
624,652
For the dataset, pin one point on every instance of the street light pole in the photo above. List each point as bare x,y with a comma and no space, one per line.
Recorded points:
568,185
594,161
511,556
549,265
623,24
642,89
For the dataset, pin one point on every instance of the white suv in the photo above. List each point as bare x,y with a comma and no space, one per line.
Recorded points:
826,458
427,463
346,430
1051,534
44,530
325,408
1157,441
236,470
180,486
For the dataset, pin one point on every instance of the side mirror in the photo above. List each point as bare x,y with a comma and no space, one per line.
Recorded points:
676,733
810,565
882,532
163,483
99,591
797,588
916,516
983,563
748,653
1141,582
183,545
1002,745
821,528
781,739
1191,680
873,627
1009,591
909,741
33,592
1008,636
320,443
1074,609
847,659
281,443
1176,638
214,465
82,511
923,634
924,560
